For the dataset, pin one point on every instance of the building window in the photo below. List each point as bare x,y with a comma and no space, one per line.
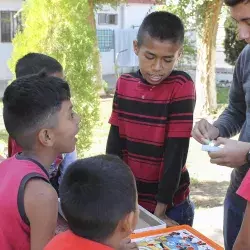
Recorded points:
105,39
107,18
8,26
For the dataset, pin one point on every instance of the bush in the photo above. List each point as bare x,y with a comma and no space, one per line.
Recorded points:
60,28
232,45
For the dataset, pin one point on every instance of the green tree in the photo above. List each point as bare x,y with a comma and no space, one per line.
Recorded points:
208,12
232,45
184,10
61,28
204,16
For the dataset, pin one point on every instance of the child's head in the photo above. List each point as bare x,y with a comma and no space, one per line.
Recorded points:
159,45
99,199
240,12
33,63
38,113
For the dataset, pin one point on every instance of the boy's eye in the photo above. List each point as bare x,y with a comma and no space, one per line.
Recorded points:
72,114
149,57
168,60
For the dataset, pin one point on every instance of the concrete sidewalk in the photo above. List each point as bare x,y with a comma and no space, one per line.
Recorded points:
209,221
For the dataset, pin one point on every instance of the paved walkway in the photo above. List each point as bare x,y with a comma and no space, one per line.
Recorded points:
210,222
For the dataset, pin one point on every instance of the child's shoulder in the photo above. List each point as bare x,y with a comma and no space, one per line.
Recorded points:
181,75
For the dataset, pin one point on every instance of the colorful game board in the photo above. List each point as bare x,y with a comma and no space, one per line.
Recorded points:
174,238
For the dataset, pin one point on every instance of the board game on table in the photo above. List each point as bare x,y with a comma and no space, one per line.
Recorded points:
174,238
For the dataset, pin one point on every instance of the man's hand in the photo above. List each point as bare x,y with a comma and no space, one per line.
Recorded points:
232,155
126,244
203,131
160,212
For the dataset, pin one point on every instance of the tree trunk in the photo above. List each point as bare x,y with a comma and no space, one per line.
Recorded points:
97,52
205,76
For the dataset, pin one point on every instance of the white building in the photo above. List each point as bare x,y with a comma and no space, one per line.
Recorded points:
125,16
128,15
8,9
109,20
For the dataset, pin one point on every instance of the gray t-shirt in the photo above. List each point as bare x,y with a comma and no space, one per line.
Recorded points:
236,117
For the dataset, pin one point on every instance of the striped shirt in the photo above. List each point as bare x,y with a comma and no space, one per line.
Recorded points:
151,127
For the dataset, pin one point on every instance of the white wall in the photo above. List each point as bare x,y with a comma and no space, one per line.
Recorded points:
6,48
129,15
107,59
10,4
135,13
5,52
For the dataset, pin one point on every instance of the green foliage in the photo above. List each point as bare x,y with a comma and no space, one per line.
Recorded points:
222,95
61,28
232,45
184,10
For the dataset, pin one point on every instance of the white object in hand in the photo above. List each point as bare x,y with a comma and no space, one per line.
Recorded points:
210,148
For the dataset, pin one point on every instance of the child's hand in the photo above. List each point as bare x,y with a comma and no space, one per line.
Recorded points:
126,244
170,222
160,212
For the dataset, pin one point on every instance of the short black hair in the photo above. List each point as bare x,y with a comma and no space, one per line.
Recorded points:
162,26
31,102
96,193
232,3
33,63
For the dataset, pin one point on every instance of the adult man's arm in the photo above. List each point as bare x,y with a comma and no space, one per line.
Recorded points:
231,120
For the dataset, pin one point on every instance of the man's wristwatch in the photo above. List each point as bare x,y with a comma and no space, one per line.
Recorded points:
248,157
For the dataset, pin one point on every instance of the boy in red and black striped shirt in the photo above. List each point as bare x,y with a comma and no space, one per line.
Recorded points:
152,119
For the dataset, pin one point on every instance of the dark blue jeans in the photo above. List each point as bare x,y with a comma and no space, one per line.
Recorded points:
233,217
182,213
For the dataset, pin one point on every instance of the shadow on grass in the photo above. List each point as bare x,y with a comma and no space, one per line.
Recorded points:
208,194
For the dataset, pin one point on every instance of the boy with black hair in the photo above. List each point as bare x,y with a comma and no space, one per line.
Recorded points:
99,201
152,120
33,63
38,115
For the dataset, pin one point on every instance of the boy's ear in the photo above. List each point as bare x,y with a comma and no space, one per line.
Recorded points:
127,225
46,137
136,48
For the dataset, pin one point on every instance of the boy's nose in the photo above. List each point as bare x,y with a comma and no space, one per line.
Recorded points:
157,65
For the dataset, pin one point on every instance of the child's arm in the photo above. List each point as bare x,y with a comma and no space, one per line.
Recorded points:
174,159
178,132
113,143
243,239
41,208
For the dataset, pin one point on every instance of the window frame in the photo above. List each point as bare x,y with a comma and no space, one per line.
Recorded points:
13,24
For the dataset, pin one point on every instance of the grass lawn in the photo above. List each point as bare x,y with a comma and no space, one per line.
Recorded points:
222,95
